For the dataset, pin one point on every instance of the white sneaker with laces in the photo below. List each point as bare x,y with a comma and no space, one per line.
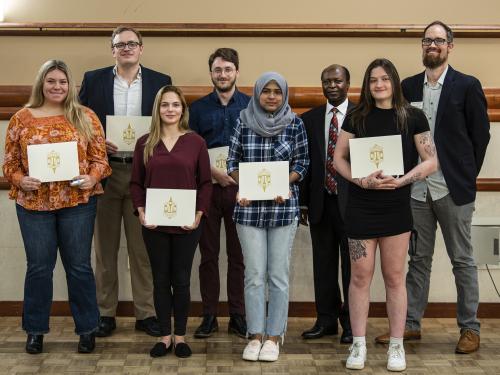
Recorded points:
396,360
357,357
251,351
270,351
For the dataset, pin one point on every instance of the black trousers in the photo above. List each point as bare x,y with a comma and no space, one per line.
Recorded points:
328,244
171,257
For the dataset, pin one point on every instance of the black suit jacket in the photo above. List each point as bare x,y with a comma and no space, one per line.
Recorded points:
96,91
462,130
313,185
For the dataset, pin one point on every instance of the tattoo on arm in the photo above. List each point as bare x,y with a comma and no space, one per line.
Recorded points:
357,249
425,139
411,179
370,183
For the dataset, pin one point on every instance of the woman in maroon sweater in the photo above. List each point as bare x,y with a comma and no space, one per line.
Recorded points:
171,157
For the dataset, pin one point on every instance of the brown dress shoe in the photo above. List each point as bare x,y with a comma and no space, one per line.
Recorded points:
468,343
410,334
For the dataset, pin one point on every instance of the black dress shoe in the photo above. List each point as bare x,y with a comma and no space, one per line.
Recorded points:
149,325
346,337
107,325
86,343
182,350
318,331
34,344
237,325
208,326
160,350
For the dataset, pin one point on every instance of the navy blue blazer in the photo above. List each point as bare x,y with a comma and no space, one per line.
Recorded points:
96,91
313,185
462,130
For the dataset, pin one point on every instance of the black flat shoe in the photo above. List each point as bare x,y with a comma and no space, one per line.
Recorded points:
208,326
107,325
87,343
182,350
149,325
237,325
346,337
160,350
34,344
318,331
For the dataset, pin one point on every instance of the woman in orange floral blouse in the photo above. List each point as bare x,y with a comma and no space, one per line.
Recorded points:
56,215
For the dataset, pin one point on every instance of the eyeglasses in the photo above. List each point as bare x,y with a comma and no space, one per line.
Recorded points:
219,71
130,45
438,41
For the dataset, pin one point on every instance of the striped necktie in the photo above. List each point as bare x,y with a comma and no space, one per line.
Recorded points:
333,131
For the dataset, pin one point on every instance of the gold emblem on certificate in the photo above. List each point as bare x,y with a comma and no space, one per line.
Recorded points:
129,135
377,155
170,208
53,160
264,179
221,161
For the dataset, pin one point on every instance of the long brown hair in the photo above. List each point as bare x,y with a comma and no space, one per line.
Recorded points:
73,110
367,103
154,136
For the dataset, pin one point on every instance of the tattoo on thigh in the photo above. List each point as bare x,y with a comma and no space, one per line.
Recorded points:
357,249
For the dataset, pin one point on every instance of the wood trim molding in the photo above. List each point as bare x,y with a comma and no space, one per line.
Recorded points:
296,309
13,97
244,30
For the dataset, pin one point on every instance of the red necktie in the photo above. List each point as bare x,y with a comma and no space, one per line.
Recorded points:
330,172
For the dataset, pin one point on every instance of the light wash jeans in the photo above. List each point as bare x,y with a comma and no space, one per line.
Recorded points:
266,253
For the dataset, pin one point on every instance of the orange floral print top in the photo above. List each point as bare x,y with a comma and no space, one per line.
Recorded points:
24,130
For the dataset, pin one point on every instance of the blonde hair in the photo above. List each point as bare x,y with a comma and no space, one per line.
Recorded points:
154,136
73,110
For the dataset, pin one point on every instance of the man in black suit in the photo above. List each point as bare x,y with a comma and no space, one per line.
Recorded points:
456,109
126,89
323,199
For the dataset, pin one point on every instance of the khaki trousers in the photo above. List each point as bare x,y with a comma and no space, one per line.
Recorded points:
113,206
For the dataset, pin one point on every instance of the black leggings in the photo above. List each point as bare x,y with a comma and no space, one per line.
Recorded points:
171,257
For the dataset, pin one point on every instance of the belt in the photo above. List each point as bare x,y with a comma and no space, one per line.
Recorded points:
121,159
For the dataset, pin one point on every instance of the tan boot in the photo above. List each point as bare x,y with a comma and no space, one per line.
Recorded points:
410,334
468,342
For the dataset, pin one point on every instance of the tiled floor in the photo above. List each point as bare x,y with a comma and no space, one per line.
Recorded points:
126,352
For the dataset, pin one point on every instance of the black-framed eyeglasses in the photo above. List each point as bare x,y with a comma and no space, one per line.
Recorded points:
437,41
130,45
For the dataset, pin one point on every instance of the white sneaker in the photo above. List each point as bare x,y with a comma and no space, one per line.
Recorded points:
357,357
251,351
396,358
270,351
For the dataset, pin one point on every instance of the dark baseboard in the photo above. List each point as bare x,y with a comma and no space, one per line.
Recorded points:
297,309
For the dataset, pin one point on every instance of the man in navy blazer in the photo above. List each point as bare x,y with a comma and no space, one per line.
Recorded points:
325,210
456,109
126,89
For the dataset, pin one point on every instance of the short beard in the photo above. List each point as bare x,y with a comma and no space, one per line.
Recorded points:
432,62
224,89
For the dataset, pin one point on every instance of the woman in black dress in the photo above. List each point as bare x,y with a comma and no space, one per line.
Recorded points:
378,208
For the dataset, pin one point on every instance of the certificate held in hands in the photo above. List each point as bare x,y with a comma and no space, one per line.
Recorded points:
262,181
170,207
51,162
124,131
371,154
218,158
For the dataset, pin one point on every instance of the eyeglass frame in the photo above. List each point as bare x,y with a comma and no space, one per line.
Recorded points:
226,70
437,42
131,44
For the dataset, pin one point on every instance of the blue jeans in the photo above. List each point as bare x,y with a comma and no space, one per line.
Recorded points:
69,229
266,253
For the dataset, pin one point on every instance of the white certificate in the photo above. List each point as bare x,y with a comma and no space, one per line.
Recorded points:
264,181
376,153
170,207
124,131
218,158
51,162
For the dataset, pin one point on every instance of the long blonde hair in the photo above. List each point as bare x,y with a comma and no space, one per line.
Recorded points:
154,136
73,110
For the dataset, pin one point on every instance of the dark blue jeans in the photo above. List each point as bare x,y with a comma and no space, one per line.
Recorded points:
69,229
